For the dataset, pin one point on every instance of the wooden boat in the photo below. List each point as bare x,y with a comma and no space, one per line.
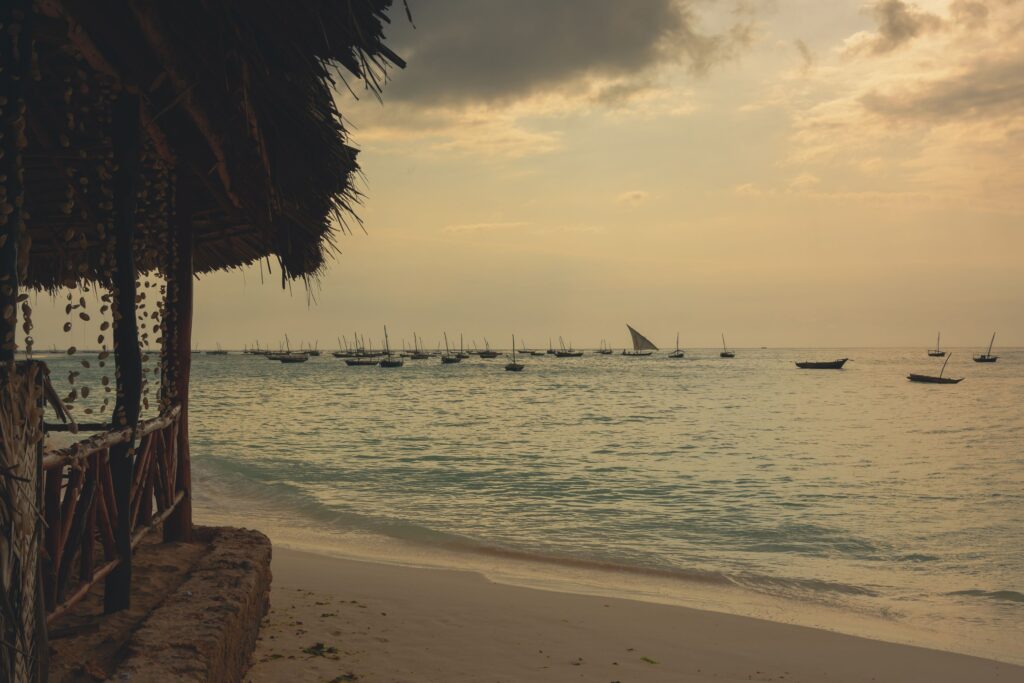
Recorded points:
726,353
529,352
362,361
513,366
448,357
462,355
551,349
987,357
678,353
567,352
417,350
822,364
937,352
389,361
293,357
487,352
928,379
642,346
604,350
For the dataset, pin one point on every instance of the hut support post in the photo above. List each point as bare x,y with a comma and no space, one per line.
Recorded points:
179,525
126,143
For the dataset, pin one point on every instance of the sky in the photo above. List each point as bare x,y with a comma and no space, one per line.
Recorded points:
788,172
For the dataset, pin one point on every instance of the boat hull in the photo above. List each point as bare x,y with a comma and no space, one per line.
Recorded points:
394,363
514,367
568,354
448,360
637,353
361,362
677,354
727,354
823,365
985,358
928,379
937,354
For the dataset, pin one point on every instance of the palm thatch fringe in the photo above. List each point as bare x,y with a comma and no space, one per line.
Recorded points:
20,527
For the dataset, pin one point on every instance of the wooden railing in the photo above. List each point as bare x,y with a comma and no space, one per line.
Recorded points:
80,508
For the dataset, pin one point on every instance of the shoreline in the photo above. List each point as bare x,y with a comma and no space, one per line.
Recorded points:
380,621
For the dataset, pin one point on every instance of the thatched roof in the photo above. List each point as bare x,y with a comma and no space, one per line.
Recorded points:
239,122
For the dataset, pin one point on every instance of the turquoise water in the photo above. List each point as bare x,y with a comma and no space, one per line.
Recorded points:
855,490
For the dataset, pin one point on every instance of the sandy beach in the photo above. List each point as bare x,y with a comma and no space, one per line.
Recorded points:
345,620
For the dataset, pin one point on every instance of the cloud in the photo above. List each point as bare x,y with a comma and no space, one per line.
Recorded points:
898,23
465,51
805,54
969,13
633,197
804,181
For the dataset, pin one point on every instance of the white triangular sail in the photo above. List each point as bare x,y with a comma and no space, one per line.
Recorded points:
640,342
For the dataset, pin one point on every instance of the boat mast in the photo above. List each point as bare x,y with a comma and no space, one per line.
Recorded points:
513,348
991,342
944,365
387,347
724,347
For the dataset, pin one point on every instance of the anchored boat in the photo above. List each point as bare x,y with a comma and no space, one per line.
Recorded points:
726,353
822,365
513,366
987,357
678,353
937,352
928,379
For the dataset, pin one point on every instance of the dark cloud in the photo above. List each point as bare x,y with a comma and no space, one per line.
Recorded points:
490,50
898,23
969,13
986,90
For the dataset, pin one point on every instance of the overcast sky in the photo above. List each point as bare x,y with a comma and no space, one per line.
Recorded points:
790,172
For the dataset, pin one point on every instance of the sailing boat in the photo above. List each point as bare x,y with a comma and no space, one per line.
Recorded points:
937,352
448,356
218,352
513,366
726,353
987,357
487,352
462,352
605,350
417,352
551,349
567,352
389,361
928,379
678,353
642,346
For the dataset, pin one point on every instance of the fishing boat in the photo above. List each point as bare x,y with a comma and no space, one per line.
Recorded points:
487,352
928,379
462,351
551,349
726,353
642,346
567,352
448,357
822,364
513,366
315,349
937,352
678,353
389,361
604,349
987,357
528,352
298,357
217,352
417,351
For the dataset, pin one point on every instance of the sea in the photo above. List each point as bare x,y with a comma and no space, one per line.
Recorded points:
851,500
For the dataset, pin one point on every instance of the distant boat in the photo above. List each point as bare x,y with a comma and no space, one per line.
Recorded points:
529,352
642,346
928,379
487,352
417,351
678,353
513,366
217,352
604,350
567,352
389,361
822,365
462,351
315,349
726,353
987,357
293,357
551,349
937,352
448,356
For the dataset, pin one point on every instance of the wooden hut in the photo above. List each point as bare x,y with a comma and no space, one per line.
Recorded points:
142,138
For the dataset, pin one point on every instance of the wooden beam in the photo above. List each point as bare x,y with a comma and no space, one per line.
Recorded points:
126,138
179,284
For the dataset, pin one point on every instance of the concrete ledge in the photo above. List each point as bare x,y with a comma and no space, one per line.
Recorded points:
206,630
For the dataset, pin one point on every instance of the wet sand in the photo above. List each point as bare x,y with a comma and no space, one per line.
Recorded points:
345,620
